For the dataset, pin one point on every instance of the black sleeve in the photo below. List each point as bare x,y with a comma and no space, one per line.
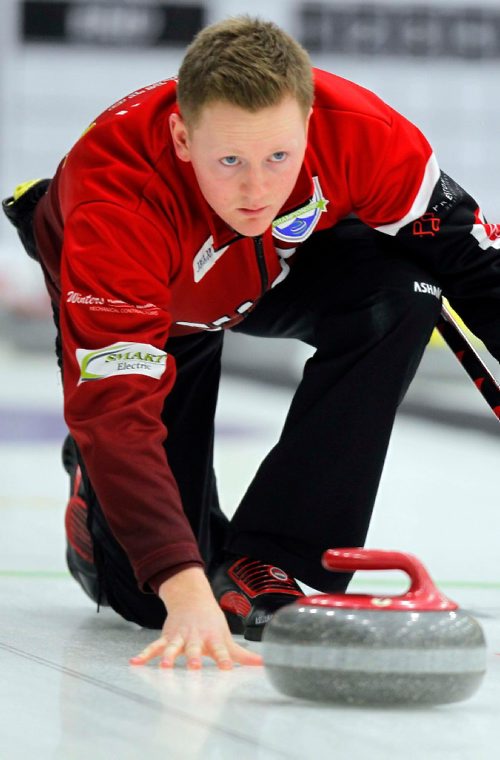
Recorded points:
455,244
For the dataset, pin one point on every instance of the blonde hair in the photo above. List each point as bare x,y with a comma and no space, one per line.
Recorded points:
246,62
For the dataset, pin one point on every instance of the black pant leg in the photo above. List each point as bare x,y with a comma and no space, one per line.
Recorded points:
352,296
189,414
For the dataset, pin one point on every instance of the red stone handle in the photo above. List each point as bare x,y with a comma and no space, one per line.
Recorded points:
422,594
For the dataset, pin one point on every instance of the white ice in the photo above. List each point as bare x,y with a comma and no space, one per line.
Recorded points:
67,691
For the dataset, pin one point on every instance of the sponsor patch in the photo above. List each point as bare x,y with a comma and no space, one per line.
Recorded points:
114,305
120,359
296,226
72,296
206,257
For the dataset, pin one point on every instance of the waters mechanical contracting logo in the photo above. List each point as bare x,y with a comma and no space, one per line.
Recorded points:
296,226
120,359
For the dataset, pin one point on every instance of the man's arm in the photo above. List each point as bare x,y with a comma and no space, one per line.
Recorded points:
398,188
115,323
455,243
116,379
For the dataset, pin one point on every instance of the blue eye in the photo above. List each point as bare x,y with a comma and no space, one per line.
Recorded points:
280,155
229,160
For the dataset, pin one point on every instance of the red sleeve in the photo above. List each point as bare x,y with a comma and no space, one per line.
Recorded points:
115,323
393,182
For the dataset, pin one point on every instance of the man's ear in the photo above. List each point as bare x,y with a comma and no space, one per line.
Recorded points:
180,137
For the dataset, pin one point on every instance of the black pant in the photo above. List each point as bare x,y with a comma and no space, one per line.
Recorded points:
351,295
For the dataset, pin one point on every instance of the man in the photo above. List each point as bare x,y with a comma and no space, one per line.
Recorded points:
260,196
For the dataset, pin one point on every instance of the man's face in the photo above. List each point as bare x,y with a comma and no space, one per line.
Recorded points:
246,163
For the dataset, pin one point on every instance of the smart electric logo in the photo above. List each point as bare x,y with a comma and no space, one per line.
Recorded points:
120,359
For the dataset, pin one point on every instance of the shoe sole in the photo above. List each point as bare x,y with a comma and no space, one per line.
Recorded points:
237,626
235,623
253,632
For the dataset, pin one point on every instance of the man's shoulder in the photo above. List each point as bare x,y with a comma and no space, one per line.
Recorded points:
120,152
338,95
138,121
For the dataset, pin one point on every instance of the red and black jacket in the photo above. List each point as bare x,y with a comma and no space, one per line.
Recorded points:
133,254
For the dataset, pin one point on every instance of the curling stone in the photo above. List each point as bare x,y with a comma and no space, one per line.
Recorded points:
417,648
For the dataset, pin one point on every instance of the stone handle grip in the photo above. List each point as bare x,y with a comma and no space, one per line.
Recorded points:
422,588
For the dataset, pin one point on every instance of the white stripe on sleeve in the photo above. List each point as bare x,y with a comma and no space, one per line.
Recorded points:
422,199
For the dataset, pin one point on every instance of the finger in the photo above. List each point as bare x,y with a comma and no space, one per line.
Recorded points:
244,656
151,651
220,653
171,652
193,652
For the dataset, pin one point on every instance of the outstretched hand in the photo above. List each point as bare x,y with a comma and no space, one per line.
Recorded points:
195,627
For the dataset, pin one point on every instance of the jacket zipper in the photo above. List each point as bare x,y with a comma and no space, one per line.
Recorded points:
261,261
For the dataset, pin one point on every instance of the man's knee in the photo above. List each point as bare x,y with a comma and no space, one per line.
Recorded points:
418,317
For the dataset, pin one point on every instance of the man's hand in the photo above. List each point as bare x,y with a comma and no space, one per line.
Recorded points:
195,627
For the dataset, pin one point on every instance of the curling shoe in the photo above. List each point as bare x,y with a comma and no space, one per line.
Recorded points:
79,544
250,592
75,522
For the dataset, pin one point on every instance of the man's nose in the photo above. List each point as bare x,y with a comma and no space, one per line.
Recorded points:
254,183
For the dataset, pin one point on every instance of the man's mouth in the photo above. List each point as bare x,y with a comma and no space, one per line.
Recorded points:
252,211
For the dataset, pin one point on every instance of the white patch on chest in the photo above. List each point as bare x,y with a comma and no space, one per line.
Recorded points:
206,257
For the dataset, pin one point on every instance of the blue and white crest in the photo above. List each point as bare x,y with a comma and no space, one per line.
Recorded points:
296,226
